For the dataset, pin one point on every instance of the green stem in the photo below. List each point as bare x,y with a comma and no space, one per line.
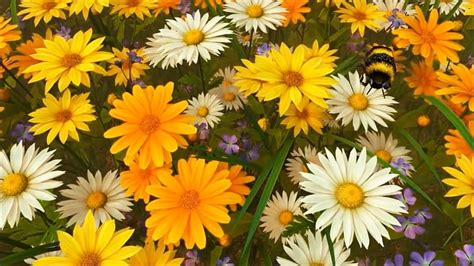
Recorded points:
201,74
15,78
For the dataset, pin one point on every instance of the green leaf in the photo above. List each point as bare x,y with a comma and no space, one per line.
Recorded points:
347,63
13,11
453,118
215,255
29,253
456,215
267,192
299,225
255,105
331,246
14,243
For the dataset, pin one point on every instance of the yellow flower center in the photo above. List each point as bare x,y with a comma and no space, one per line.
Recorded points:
90,259
359,101
226,83
384,155
229,97
14,184
285,217
292,78
71,60
96,200
149,124
202,111
349,195
48,5
189,199
193,37
246,38
255,11
63,116
358,15
316,264
428,37
225,240
303,114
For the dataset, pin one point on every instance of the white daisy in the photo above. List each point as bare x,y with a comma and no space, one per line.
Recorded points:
188,39
353,198
206,109
279,213
26,178
296,164
315,251
391,8
359,104
229,94
245,37
255,14
446,6
102,195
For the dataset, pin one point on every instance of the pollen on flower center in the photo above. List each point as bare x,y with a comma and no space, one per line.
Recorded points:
349,195
359,101
149,124
202,111
71,60
193,37
96,200
285,217
292,78
14,184
229,97
254,11
90,259
303,114
63,116
49,5
359,15
384,155
189,199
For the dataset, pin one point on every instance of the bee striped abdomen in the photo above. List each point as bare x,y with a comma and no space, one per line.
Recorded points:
380,67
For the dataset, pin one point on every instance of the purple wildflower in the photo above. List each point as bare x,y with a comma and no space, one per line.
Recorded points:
139,83
407,198
401,165
192,258
423,214
427,259
202,131
397,261
465,256
225,261
394,19
410,227
228,144
64,31
355,43
21,132
263,49
184,6
134,58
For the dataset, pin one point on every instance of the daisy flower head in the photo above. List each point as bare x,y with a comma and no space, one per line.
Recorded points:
353,197
65,61
308,115
226,92
127,65
206,108
139,8
279,213
256,14
152,125
423,78
188,39
460,85
25,178
359,104
151,255
23,60
63,116
8,33
295,11
456,145
296,164
85,7
462,182
245,38
165,6
314,251
43,10
428,38
102,196
89,245
323,52
191,201
361,15
446,6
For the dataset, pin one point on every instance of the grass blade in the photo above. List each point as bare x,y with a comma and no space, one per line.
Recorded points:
29,253
331,246
13,11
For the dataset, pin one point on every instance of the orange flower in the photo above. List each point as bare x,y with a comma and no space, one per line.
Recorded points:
203,4
8,33
456,145
423,78
7,63
238,178
296,9
460,86
165,6
25,60
429,38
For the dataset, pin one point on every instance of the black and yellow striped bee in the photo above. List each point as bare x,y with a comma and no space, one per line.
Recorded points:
379,67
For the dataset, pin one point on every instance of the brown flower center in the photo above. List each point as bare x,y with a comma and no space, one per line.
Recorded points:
189,199
303,114
14,184
71,60
149,124
133,3
229,97
63,116
292,78
359,15
96,200
48,5
90,259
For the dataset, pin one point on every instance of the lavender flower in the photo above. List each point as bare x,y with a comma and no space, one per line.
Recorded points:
407,198
397,261
184,6
355,43
263,49
410,227
192,258
225,261
394,19
423,214
134,58
139,83
64,31
202,131
427,259
228,144
401,165
465,257
21,132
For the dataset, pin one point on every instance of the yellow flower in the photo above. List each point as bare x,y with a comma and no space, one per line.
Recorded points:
309,115
91,246
8,33
149,256
203,4
459,86
456,145
361,15
65,61
246,77
429,38
25,60
153,127
85,6
296,9
127,63
43,9
139,8
323,52
239,179
165,6
423,78
462,183
468,7
189,202
62,116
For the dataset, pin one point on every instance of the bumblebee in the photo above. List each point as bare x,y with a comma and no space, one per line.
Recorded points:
379,67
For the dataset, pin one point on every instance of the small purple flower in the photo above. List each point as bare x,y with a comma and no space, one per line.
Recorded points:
355,43
407,198
202,131
410,227
263,49
423,214
134,58
401,165
225,261
64,31
192,258
139,83
394,19
426,260
228,144
465,257
21,132
397,261
184,6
